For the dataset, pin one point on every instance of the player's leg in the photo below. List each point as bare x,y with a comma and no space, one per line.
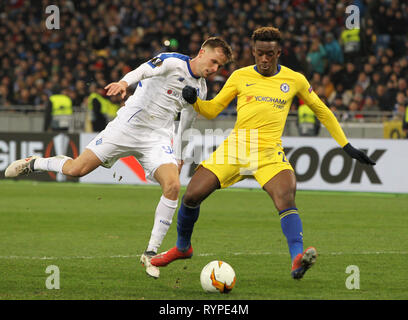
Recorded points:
86,162
101,150
104,150
201,185
282,190
78,167
81,166
214,173
168,176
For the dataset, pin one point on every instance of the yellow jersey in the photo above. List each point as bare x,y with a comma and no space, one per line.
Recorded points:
263,103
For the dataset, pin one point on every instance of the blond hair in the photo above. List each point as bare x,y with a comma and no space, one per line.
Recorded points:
217,42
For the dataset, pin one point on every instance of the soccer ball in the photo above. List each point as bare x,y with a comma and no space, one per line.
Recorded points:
217,276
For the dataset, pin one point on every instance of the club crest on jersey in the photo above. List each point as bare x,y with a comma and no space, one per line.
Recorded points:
284,87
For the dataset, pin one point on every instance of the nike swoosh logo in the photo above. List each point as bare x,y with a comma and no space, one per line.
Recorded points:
250,84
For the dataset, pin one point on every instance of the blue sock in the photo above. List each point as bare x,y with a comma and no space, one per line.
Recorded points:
186,218
293,231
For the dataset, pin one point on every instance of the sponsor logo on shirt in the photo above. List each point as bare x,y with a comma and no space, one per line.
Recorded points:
178,94
173,93
310,89
278,103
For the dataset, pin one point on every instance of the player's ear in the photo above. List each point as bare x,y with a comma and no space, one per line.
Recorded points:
253,50
201,52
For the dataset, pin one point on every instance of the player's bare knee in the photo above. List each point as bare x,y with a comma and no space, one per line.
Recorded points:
171,189
191,199
71,172
75,171
285,200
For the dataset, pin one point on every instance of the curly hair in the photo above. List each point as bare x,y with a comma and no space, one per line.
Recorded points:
267,34
217,42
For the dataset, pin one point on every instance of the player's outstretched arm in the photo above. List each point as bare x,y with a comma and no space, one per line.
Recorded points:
115,88
326,116
154,67
357,154
330,122
212,108
207,108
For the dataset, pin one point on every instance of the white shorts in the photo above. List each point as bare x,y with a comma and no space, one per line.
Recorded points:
151,148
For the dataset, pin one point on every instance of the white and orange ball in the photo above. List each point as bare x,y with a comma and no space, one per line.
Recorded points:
218,276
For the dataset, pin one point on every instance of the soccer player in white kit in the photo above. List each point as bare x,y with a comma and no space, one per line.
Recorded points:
144,128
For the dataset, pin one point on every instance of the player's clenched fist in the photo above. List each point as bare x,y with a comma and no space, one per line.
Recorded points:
357,154
190,94
115,88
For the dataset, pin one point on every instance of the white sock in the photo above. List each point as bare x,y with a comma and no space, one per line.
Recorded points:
162,221
54,164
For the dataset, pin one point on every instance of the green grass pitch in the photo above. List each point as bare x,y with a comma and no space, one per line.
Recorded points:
95,234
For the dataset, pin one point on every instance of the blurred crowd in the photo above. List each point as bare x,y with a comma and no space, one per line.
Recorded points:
99,41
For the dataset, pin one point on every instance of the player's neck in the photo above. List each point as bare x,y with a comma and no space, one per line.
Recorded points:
194,67
270,72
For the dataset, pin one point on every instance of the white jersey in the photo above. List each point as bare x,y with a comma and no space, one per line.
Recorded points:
158,99
144,126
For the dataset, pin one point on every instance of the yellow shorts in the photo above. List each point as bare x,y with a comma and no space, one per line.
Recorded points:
262,165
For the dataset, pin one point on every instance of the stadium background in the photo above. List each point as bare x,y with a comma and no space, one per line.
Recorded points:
364,83
100,41
362,78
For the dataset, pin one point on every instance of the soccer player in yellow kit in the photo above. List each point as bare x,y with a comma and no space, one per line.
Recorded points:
254,148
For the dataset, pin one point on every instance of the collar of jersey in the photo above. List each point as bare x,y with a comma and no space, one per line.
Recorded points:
278,70
189,69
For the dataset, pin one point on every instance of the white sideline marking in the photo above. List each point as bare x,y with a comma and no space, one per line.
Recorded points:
200,255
